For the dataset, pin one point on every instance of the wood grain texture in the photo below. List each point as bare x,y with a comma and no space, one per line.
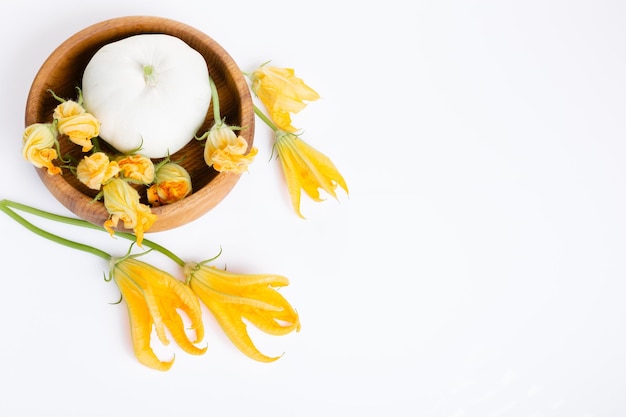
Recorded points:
62,73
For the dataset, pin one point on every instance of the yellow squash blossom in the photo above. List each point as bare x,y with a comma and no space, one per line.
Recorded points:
235,298
225,151
282,93
172,183
38,146
122,202
305,168
96,169
137,168
153,298
79,126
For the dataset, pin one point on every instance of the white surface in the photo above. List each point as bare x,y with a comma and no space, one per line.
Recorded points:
476,269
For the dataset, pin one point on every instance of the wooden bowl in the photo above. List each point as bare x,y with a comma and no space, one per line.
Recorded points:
62,73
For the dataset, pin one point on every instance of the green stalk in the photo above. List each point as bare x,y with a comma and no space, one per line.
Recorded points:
51,236
265,119
6,206
216,102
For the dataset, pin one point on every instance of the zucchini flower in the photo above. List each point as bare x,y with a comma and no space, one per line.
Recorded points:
38,146
137,168
305,168
172,183
236,298
96,169
74,121
282,93
122,202
153,298
225,151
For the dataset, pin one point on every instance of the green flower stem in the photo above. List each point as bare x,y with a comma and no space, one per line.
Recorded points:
265,119
217,117
6,206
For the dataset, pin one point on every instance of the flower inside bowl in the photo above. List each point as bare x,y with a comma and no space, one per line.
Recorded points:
62,74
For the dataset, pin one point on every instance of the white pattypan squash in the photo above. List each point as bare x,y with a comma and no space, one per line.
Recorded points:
150,91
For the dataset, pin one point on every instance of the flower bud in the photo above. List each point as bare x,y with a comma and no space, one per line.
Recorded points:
172,183
122,202
96,169
282,93
38,141
79,126
225,151
137,168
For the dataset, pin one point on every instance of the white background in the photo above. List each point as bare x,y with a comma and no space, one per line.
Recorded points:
475,269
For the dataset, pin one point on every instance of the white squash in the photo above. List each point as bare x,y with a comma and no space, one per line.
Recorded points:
150,91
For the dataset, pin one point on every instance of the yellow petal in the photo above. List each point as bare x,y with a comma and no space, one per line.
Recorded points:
96,169
291,173
141,326
224,280
323,165
282,119
280,320
155,300
182,297
272,325
282,83
232,325
305,168
137,168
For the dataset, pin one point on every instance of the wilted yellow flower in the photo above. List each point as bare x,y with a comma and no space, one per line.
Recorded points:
305,168
38,142
122,202
172,183
153,298
225,151
281,92
137,168
233,298
96,169
74,121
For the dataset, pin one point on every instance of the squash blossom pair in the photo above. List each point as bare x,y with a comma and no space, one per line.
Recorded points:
39,141
304,167
160,305
153,298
